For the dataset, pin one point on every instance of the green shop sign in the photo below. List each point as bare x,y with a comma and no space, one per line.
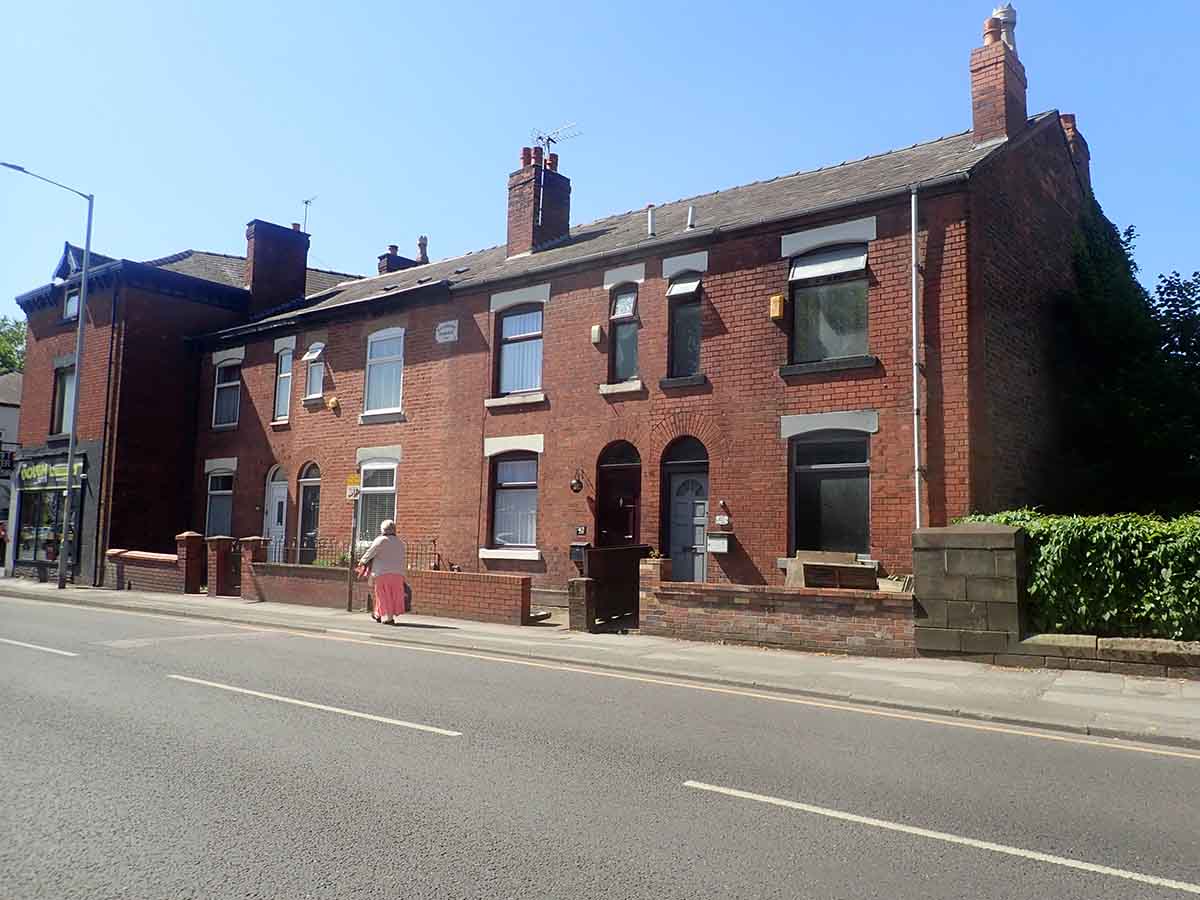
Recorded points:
48,475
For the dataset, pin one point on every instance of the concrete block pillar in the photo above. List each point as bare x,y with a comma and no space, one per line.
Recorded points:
581,602
969,588
189,547
220,571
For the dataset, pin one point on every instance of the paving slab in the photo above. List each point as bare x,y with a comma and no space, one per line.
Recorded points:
1105,703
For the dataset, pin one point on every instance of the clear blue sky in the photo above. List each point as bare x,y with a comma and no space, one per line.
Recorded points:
187,120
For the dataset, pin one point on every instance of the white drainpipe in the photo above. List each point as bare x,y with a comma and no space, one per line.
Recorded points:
916,367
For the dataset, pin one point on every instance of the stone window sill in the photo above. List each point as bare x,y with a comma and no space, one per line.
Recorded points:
229,427
529,399
279,424
623,387
314,401
382,417
682,381
841,364
532,554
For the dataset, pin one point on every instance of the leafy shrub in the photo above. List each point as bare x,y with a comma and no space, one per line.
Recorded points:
1114,576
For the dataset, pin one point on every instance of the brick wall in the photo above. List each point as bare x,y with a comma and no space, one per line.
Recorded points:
140,571
458,595
468,595
870,623
1024,214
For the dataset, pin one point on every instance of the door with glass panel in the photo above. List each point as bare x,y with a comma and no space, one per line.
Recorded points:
310,514
275,516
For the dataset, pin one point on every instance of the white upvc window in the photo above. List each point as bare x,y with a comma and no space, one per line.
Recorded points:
283,385
314,376
70,303
219,518
227,395
385,371
376,498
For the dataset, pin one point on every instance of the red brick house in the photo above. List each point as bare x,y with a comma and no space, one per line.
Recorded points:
135,452
729,378
735,364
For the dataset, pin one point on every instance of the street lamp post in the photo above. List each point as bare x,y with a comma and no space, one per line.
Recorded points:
64,544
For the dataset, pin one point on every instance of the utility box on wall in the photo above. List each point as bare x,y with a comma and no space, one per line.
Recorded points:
718,541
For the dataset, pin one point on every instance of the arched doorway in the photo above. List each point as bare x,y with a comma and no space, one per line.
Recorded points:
275,514
685,508
618,495
308,526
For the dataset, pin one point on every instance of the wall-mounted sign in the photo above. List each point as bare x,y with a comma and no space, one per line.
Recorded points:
722,519
718,543
581,530
446,332
37,475
353,486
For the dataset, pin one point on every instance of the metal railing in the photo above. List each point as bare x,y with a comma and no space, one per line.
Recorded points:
421,555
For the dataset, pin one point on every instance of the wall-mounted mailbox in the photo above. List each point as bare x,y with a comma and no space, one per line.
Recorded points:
577,550
718,541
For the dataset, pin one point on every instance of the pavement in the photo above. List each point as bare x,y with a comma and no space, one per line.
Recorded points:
153,756
1157,710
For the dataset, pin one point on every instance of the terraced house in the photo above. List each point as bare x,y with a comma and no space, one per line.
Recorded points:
729,378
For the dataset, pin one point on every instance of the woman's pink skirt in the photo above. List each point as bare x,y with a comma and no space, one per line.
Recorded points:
389,595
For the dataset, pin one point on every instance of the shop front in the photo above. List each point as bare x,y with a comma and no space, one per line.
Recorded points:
39,536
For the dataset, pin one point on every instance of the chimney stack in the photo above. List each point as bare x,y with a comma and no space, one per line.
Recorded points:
539,203
276,264
392,261
998,80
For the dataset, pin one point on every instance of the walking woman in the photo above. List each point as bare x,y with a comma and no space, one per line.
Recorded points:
384,560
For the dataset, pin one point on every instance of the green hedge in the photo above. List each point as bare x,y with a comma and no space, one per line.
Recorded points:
1113,576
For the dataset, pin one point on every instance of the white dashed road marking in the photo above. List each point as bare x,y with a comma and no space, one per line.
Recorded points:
321,706
37,647
1035,855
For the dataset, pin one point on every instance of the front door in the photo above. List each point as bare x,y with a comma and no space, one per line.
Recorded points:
310,515
689,524
275,520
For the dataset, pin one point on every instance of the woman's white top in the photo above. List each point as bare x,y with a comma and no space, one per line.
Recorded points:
386,554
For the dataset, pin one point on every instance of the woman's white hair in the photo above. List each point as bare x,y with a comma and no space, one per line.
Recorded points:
387,526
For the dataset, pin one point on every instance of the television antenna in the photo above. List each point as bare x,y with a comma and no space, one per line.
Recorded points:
546,140
307,204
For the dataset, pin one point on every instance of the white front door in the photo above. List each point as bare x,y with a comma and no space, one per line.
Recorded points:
689,525
275,520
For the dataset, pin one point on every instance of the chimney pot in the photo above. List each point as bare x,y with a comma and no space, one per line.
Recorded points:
393,249
552,162
422,244
991,31
526,156
295,226
650,219
537,156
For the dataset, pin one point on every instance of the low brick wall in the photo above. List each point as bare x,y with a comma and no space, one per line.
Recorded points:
869,623
478,596
140,571
305,585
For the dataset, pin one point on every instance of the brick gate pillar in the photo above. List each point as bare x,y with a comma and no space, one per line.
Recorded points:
189,547
220,567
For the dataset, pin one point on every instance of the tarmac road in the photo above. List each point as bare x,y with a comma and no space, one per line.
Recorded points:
178,758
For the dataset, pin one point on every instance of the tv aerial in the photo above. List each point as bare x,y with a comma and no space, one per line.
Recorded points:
547,139
307,204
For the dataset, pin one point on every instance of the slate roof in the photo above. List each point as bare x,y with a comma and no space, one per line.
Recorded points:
10,389
230,270
781,198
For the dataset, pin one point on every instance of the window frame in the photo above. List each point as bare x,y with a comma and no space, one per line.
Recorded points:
674,303
615,321
796,472
363,490
219,385
209,493
61,412
384,334
801,284
502,342
68,295
497,489
314,357
280,375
